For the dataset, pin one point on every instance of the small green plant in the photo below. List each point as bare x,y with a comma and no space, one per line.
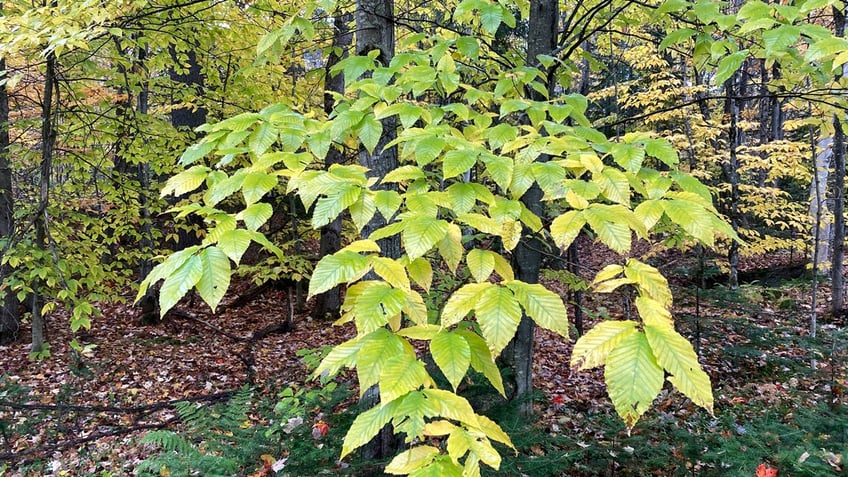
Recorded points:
216,441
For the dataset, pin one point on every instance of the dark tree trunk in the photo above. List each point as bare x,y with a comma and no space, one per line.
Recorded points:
837,279
189,75
527,259
187,119
375,31
48,142
328,304
9,316
731,173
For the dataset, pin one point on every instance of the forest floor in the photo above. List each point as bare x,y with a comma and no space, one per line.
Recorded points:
76,413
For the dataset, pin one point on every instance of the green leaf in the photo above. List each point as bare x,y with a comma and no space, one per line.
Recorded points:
500,168
195,152
404,174
256,185
370,131
401,374
675,37
186,181
428,148
234,243
542,305
675,354
462,301
256,215
263,138
340,356
651,282
498,314
463,197
633,377
780,38
610,226
593,348
662,150
421,272
728,66
363,209
450,247
328,208
481,264
375,303
628,156
392,271
366,426
215,276
567,227
482,360
341,267
826,47
411,460
179,283
491,16
452,354
458,161
387,202
421,234
694,219
372,356
614,185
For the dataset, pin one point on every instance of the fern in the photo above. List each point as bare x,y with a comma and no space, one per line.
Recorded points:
214,442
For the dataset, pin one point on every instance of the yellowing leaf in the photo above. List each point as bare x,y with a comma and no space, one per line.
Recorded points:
215,278
633,377
649,280
452,354
341,267
450,247
462,301
481,264
411,460
391,271
542,305
566,227
401,374
498,314
421,272
421,234
675,354
593,348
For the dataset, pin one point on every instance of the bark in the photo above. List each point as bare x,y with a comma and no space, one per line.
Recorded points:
48,142
9,316
187,119
328,304
837,279
527,259
193,78
375,30
731,173
819,211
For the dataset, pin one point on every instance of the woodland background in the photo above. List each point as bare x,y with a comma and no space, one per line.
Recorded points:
137,130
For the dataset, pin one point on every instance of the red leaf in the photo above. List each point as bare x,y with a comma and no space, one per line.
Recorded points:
766,471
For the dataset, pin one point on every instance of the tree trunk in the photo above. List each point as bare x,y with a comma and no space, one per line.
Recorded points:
193,78
328,304
527,259
731,173
187,119
837,279
819,212
48,142
375,31
9,317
